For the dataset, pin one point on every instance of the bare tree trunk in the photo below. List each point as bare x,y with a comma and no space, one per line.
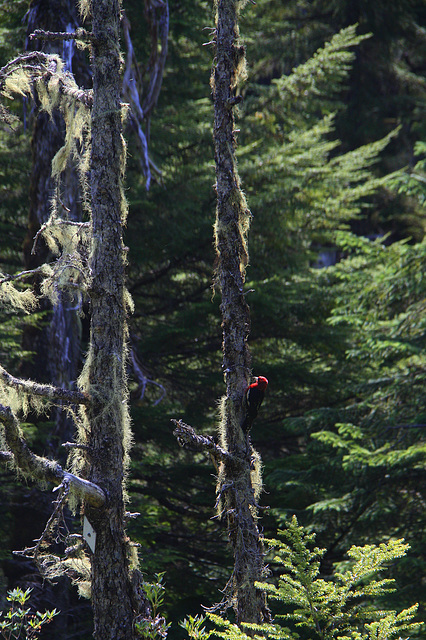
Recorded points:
236,485
105,381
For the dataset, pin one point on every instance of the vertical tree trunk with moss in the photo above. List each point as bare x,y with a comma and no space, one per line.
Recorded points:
236,488
104,374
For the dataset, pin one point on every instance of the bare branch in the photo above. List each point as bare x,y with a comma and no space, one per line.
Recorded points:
75,445
22,274
132,87
159,28
78,34
186,436
58,222
157,13
33,552
45,390
43,469
142,379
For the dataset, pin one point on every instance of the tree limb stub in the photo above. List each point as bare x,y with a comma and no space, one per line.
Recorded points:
78,34
21,275
39,468
186,436
45,390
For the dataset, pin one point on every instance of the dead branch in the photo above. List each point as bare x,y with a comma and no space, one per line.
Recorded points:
157,13
44,65
75,445
159,30
186,436
43,469
22,274
55,516
58,222
142,379
78,34
132,88
45,390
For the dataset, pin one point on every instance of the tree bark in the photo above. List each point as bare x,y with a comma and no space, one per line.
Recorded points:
108,417
237,494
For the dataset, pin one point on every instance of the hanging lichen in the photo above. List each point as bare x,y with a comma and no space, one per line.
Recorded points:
17,299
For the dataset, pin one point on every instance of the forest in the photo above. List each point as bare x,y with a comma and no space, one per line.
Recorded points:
195,195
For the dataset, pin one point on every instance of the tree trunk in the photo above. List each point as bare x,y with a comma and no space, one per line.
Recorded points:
105,367
236,486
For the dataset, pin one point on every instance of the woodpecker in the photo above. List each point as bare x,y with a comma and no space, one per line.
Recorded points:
254,398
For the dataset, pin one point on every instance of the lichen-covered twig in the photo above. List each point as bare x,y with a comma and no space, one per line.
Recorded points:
78,34
186,436
45,390
43,469
21,275
58,222
38,64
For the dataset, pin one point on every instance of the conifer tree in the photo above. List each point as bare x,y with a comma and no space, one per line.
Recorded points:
91,263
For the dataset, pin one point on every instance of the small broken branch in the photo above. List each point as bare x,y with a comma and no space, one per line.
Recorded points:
78,34
186,436
45,390
43,469
75,445
21,275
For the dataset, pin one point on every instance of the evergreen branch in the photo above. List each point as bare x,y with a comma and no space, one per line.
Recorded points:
43,469
45,390
78,34
186,435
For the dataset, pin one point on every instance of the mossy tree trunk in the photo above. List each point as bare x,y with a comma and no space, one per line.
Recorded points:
101,453
238,502
105,368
